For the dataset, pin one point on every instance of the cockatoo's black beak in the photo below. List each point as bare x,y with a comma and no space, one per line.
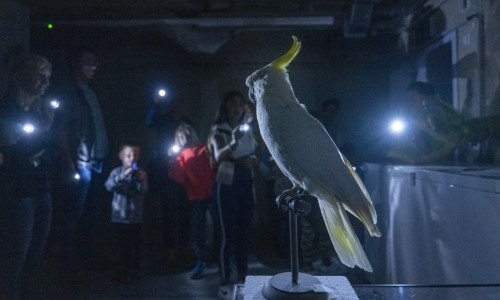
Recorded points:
251,96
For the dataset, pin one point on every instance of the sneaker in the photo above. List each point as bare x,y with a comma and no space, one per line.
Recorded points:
225,291
336,267
240,278
326,261
198,271
306,267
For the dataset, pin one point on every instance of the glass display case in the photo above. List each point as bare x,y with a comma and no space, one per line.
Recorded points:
412,292
439,228
439,224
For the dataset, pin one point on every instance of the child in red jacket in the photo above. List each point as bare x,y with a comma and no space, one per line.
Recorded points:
192,169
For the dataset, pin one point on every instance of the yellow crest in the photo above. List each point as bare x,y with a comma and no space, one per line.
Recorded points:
287,58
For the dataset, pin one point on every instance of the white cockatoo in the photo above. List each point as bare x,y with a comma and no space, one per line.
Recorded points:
307,155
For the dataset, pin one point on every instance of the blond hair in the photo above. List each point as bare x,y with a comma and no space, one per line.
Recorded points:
29,62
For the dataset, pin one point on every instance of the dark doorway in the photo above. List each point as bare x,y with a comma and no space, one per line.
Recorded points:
440,71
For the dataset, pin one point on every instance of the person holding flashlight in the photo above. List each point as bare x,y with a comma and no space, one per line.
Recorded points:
233,148
129,185
25,146
192,168
165,115
83,146
434,128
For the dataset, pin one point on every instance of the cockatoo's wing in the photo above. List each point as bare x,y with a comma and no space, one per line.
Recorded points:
310,158
318,166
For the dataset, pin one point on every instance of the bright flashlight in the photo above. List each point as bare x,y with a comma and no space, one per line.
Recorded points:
174,149
28,128
397,126
162,93
76,176
244,127
54,104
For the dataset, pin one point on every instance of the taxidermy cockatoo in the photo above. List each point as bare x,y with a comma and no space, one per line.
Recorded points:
307,155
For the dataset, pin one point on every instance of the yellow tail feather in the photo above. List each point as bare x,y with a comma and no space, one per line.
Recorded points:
344,240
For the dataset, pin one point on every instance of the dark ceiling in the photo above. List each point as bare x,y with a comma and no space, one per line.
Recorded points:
186,21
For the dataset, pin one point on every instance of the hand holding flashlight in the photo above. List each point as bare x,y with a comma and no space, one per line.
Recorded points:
160,96
28,128
238,133
174,150
129,173
397,126
244,127
13,132
54,104
134,166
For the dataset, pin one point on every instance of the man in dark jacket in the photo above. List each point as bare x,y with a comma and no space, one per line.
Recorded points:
83,147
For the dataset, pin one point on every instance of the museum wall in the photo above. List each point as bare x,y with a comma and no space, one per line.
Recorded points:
14,31
452,44
492,56
460,38
134,62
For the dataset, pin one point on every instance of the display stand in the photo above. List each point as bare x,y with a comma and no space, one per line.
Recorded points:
293,285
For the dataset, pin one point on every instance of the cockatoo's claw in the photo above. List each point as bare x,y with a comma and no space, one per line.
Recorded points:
302,192
300,205
295,199
284,198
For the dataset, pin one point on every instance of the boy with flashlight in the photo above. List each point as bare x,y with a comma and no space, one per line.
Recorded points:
129,184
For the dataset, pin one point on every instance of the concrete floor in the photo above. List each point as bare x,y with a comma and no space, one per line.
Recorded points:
159,280
162,280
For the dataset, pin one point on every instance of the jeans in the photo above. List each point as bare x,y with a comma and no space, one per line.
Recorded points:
80,218
199,226
129,246
26,224
176,216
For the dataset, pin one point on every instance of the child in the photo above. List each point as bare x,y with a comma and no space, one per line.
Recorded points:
129,184
193,170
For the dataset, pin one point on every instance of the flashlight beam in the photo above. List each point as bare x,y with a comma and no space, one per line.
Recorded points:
28,128
244,127
54,104
397,126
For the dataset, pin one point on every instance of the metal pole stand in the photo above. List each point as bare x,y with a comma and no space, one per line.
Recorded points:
293,285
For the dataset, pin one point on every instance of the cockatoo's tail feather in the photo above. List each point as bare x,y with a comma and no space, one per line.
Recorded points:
344,240
286,59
